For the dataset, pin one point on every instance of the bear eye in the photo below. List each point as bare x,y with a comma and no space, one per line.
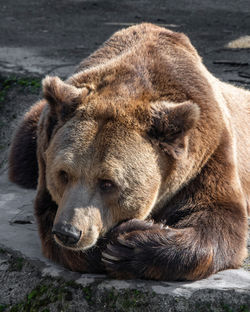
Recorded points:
106,186
63,176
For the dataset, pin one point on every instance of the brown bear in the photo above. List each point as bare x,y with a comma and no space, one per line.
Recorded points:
143,162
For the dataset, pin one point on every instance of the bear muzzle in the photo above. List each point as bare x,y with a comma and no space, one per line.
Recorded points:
80,218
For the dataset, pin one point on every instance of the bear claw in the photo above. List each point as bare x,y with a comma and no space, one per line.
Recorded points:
109,257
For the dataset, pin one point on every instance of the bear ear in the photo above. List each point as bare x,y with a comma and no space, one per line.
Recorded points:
63,98
170,125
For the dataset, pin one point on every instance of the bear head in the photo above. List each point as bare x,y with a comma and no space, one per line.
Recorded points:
109,160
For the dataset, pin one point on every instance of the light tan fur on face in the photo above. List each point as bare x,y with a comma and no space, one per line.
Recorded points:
85,211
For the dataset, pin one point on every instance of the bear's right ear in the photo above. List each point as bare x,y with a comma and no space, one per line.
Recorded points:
63,98
170,125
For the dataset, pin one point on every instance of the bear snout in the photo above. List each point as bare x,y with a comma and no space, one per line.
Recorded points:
66,233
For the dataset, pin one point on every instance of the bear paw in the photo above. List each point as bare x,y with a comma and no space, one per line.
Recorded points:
131,252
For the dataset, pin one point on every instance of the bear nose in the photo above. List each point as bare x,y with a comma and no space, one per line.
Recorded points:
66,233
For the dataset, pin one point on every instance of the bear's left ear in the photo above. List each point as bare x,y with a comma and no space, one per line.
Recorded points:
63,98
170,125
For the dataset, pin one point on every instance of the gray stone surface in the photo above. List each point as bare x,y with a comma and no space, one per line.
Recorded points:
51,37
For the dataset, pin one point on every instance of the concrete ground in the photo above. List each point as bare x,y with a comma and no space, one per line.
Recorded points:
51,37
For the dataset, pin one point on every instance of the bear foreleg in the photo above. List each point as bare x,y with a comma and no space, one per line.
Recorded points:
140,249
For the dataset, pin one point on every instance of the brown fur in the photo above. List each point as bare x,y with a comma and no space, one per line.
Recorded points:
23,167
144,116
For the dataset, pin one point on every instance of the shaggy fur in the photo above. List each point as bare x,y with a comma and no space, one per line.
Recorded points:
146,154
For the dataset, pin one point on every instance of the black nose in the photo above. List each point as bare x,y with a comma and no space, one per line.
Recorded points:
66,233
